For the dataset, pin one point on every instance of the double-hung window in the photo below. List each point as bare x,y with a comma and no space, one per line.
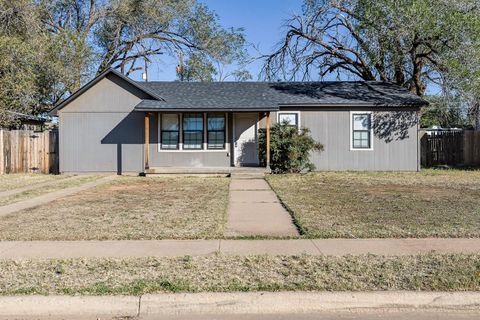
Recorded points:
362,130
169,131
215,131
290,118
192,131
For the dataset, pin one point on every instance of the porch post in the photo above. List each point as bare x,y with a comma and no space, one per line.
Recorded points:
268,140
147,138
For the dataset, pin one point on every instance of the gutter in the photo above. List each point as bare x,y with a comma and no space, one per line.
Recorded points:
205,110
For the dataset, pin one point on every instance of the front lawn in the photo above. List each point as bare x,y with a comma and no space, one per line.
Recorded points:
367,205
128,208
136,276
61,182
19,180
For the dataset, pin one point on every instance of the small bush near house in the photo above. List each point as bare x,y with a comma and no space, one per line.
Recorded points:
289,148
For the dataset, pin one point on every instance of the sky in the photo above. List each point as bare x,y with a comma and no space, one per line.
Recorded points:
261,19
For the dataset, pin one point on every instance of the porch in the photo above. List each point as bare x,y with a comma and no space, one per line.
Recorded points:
210,142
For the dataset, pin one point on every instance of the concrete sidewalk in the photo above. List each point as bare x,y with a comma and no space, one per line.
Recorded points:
172,248
216,304
51,196
254,210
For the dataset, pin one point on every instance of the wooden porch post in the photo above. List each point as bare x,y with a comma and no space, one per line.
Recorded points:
268,140
147,138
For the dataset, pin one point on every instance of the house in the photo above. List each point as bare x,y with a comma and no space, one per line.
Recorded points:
23,121
115,124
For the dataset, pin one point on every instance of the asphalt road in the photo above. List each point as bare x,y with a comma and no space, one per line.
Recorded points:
349,315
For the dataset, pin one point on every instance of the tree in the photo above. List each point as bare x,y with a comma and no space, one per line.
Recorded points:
228,63
17,84
25,55
123,34
408,42
444,111
462,78
50,48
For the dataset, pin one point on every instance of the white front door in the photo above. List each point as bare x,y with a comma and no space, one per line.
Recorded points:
245,139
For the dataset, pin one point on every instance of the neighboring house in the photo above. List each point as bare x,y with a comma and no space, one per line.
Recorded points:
115,124
27,121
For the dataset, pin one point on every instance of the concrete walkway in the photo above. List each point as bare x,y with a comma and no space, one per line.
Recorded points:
51,196
171,248
254,210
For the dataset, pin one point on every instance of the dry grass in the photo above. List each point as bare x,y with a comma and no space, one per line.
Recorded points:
56,185
128,208
364,205
430,272
14,181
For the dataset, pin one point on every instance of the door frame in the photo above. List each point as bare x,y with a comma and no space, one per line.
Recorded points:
234,137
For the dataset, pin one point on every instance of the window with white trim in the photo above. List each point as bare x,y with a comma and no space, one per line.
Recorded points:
361,130
170,131
215,131
291,118
192,131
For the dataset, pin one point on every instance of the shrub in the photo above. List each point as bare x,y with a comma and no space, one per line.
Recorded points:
289,148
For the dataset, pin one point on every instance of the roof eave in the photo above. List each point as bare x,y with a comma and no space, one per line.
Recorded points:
359,105
206,109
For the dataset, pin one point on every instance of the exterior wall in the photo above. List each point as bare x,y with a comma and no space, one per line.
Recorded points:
198,158
99,132
395,142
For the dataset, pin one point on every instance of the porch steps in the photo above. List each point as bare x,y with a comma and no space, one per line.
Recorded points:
247,175
239,173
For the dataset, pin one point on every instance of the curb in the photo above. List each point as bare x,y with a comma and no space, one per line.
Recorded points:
69,306
233,303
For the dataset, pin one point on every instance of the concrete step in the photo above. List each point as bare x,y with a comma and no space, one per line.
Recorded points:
247,175
189,170
241,173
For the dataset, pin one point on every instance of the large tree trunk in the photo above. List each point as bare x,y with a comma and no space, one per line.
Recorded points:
475,114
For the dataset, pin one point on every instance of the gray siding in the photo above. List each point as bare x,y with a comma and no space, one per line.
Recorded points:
100,133
201,158
395,143
101,142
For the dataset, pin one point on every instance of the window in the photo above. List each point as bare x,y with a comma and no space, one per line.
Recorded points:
170,131
290,117
192,131
361,130
215,131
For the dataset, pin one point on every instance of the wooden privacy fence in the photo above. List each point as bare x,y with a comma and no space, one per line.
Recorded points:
26,151
452,148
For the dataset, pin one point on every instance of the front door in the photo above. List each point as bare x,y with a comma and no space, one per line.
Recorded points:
245,139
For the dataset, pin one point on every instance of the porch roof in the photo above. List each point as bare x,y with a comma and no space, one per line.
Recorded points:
271,96
155,105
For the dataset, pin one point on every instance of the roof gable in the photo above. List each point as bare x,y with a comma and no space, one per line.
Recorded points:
94,81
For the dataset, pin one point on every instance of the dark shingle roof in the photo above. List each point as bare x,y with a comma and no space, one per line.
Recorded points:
259,96
272,95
